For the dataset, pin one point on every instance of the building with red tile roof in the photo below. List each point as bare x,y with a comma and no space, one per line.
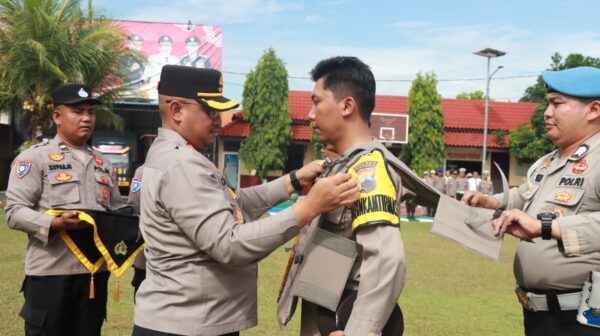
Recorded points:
463,120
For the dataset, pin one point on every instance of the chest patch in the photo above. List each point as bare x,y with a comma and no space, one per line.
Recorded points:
571,182
60,166
63,177
98,160
563,197
580,167
56,157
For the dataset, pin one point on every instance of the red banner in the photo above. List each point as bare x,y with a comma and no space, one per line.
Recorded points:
168,43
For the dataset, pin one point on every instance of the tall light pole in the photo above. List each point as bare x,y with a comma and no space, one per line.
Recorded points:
489,53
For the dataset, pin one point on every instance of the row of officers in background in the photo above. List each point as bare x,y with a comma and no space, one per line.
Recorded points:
455,183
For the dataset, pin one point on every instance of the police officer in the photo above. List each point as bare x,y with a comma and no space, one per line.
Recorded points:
133,199
462,184
439,185
64,173
555,213
193,58
343,98
486,186
203,238
452,185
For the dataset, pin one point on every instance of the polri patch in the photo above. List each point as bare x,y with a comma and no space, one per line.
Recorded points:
56,157
571,182
63,177
563,197
23,168
366,175
580,167
136,184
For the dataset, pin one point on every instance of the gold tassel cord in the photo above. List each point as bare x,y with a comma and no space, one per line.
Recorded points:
92,291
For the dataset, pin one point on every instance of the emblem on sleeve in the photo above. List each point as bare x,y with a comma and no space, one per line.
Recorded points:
98,160
136,185
23,168
56,157
562,196
580,166
365,172
63,177
558,212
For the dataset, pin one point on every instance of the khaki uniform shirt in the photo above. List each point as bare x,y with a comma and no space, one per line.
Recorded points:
134,200
50,176
382,249
201,273
462,185
451,187
439,184
570,188
486,187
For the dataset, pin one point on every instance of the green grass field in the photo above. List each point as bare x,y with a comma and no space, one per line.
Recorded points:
449,291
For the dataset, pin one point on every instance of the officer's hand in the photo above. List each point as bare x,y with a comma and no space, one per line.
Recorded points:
327,194
477,199
68,221
517,223
307,174
337,333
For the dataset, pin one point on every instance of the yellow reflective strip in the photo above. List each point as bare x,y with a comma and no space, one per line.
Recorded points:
209,94
220,106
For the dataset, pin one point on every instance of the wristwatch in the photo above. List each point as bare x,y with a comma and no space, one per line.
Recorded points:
546,218
295,182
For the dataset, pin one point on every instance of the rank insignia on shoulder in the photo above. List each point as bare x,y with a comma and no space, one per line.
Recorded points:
63,177
136,185
562,196
580,152
63,147
23,168
56,157
98,160
580,167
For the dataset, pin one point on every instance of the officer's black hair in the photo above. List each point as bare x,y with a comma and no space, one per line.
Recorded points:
348,76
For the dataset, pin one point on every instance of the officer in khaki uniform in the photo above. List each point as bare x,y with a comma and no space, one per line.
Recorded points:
139,264
462,184
486,186
343,99
63,173
203,238
556,212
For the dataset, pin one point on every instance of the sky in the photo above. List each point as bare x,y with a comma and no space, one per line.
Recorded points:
397,39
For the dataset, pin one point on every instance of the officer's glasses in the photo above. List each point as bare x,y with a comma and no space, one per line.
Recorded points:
212,113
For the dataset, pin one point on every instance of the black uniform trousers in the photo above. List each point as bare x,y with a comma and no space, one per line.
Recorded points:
328,321
139,331
556,323
59,305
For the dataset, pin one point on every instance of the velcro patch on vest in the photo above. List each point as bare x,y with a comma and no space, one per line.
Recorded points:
377,200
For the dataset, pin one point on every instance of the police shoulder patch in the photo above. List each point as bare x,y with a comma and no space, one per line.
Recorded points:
377,200
23,167
136,184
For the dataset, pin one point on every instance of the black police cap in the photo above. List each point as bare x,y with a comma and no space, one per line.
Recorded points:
203,85
70,94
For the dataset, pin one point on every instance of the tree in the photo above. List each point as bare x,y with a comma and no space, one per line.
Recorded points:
46,43
529,142
475,95
265,103
425,149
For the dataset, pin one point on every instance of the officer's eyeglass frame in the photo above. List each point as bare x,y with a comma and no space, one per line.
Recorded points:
212,113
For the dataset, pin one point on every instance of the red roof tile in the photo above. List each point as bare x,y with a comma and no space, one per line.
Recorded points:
465,139
240,129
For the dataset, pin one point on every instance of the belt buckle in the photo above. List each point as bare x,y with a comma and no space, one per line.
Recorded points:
524,300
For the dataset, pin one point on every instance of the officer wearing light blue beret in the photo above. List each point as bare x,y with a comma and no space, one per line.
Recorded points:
556,212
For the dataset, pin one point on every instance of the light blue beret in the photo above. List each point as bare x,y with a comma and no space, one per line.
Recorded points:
583,82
